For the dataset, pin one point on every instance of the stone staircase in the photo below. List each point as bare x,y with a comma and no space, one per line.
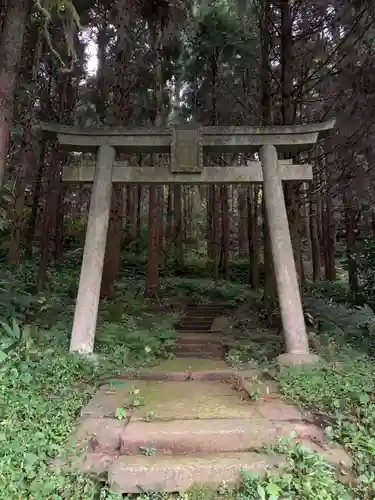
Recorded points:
193,427
194,335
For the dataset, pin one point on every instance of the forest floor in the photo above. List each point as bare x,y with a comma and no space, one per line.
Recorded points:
43,389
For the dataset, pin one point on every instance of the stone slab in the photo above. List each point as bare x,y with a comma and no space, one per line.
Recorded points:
188,399
105,402
180,437
277,410
100,434
96,463
177,474
264,388
192,400
191,364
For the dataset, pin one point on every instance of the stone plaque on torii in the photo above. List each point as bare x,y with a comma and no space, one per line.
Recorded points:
186,145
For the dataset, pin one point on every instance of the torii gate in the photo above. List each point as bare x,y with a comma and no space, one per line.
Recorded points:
186,145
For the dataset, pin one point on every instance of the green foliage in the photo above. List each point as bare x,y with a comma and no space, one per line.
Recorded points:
199,290
221,35
337,291
347,324
307,476
340,394
38,408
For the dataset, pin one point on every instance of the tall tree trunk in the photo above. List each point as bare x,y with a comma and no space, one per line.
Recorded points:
152,283
270,294
161,225
60,226
314,230
224,254
157,115
306,220
138,227
253,233
129,213
30,148
32,220
329,239
48,236
242,223
112,256
288,112
11,44
350,226
216,230
178,232
169,222
211,220
27,155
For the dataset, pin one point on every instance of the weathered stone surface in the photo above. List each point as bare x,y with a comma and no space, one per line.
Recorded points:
302,430
193,364
221,323
298,359
179,437
186,149
277,410
296,339
101,434
96,463
86,310
105,402
269,388
193,399
171,474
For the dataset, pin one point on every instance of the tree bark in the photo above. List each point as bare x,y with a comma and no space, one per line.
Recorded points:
152,283
224,257
253,233
112,258
178,234
11,51
350,226
242,223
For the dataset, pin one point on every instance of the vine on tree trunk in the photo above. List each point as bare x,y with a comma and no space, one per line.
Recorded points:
70,20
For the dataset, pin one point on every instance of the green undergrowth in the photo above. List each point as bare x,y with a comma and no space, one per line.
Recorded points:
41,393
43,388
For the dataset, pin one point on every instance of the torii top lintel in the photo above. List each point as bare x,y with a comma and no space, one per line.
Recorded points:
239,139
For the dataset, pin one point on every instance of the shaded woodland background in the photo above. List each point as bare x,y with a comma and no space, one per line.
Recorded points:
223,63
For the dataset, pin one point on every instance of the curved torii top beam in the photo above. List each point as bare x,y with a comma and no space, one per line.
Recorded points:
293,139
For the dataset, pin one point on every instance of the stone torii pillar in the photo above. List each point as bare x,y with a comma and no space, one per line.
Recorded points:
86,310
294,327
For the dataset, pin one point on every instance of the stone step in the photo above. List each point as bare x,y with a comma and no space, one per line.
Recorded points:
193,326
192,331
199,338
196,321
215,349
177,474
200,354
204,436
209,307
